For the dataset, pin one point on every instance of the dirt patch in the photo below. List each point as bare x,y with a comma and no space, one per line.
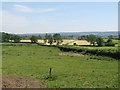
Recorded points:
71,55
21,82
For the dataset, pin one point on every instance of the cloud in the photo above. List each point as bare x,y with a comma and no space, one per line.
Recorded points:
23,8
31,10
45,10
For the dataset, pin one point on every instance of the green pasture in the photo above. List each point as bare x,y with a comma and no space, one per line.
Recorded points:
67,72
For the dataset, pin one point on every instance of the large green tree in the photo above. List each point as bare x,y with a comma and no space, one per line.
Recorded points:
5,37
33,39
16,38
50,39
12,36
109,42
92,39
39,37
57,38
45,38
100,41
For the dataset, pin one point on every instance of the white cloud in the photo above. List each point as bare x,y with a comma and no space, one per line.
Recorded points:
26,9
45,10
23,8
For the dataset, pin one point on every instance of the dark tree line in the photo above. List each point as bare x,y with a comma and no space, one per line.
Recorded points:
48,38
5,37
56,38
97,40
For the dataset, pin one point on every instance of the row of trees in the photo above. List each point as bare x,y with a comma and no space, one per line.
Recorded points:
5,37
84,37
93,39
56,38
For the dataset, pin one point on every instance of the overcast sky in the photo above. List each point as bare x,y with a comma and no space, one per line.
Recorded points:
45,17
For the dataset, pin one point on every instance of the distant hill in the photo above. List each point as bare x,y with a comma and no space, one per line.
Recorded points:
88,33
75,34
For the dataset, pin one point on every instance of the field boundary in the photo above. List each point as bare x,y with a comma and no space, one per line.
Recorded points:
96,52
68,48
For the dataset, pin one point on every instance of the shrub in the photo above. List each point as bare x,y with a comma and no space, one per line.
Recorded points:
74,44
109,43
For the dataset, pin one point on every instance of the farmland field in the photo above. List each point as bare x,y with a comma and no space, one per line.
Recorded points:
65,41
67,71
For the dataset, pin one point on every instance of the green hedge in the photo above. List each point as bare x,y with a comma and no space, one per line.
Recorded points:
110,53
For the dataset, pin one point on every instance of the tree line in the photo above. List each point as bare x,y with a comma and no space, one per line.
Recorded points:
6,37
56,38
97,40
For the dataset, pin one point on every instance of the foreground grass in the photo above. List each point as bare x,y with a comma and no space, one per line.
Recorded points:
67,72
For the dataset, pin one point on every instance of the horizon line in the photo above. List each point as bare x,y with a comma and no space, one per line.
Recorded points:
58,32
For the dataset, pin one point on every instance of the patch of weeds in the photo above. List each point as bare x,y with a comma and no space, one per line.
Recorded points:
32,75
18,54
50,50
104,58
48,58
50,78
84,53
33,53
93,57
101,58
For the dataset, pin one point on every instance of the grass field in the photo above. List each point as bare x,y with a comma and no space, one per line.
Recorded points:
67,72
106,48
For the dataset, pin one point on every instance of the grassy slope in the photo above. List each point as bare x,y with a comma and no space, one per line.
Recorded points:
110,48
35,61
104,48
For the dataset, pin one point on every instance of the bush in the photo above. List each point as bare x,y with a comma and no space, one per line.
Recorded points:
109,43
74,44
113,54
